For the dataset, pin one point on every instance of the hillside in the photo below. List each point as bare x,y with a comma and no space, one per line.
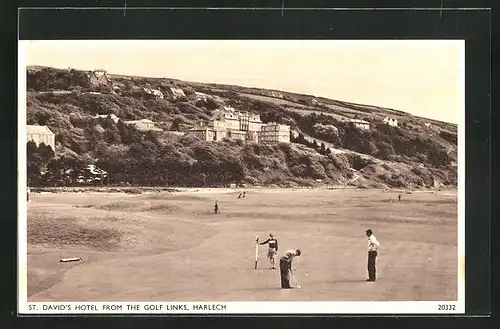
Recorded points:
325,148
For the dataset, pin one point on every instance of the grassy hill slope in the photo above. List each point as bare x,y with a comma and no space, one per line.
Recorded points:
418,153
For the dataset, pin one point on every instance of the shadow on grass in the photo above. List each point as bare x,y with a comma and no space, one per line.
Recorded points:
347,281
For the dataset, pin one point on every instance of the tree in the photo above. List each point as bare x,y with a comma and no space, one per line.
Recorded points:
438,158
322,149
328,151
300,138
31,149
176,124
37,158
112,134
200,103
211,104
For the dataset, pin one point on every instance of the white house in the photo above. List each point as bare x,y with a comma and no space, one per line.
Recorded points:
144,125
104,116
273,133
155,92
200,96
276,94
41,134
360,124
232,124
176,92
391,121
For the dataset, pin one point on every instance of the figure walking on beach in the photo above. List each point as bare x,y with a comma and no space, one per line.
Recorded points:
216,208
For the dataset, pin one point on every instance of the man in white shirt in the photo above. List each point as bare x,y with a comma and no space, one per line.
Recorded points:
286,266
373,246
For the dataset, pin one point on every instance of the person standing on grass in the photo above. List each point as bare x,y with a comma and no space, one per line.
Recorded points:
286,266
273,250
399,197
373,246
216,208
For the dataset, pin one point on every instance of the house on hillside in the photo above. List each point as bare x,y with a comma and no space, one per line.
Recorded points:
230,118
276,94
104,116
117,87
175,133
204,133
229,123
144,125
200,96
155,92
273,133
358,123
175,93
237,125
98,78
41,134
391,121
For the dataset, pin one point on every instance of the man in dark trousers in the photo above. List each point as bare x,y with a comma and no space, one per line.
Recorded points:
273,249
216,208
373,246
286,266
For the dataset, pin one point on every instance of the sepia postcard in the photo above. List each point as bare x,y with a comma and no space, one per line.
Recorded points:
241,176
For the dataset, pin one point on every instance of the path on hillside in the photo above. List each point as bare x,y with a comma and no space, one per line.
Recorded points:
336,150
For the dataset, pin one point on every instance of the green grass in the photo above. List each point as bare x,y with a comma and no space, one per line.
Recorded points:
188,254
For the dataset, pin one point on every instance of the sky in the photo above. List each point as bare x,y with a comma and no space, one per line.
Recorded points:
421,77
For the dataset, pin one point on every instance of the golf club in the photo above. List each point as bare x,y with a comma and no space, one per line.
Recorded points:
295,279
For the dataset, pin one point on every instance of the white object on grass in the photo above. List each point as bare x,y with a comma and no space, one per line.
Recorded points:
256,251
75,259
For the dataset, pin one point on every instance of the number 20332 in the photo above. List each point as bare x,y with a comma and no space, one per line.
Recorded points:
446,307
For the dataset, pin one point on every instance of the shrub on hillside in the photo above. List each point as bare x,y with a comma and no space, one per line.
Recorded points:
357,162
452,138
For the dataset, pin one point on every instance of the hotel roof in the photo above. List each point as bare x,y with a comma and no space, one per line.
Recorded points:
32,129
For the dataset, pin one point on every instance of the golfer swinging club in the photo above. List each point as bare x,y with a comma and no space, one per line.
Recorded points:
286,266
273,250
